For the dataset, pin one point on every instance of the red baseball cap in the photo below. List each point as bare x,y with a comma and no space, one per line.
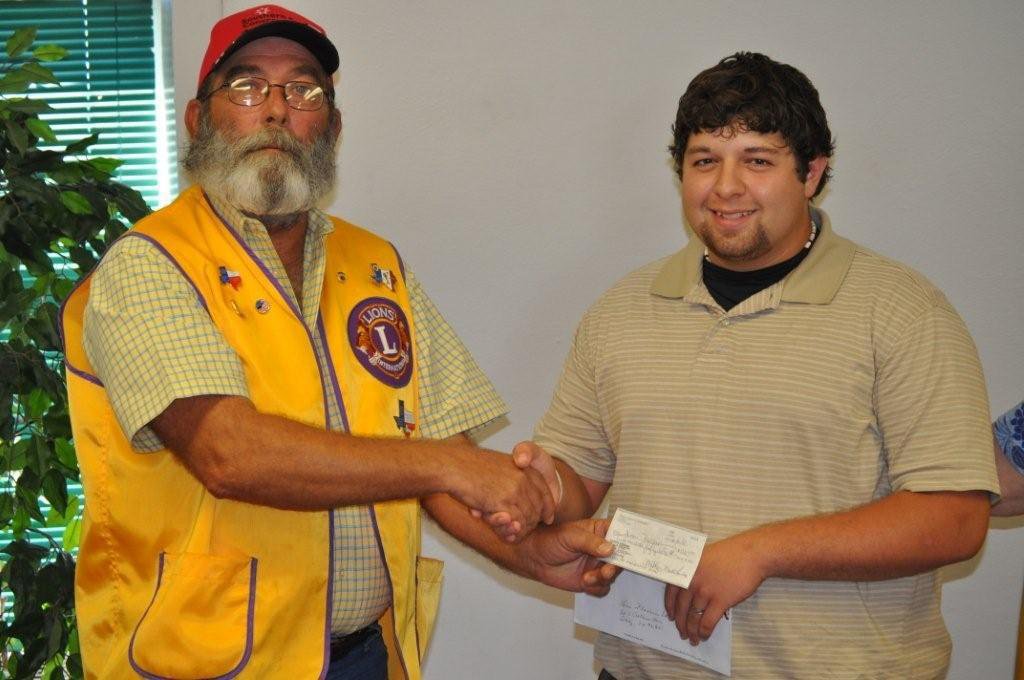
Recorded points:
239,29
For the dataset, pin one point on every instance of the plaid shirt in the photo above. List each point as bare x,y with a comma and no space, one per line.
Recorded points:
151,342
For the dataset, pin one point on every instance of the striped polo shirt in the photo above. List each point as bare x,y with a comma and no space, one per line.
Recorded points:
151,342
851,378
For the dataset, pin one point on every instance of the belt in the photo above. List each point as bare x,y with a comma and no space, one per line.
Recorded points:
343,644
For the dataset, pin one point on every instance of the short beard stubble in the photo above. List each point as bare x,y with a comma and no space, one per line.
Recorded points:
742,250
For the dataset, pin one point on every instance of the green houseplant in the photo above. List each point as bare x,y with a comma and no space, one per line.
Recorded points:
59,211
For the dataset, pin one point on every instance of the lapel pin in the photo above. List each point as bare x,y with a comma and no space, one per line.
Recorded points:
227,276
382,277
405,420
262,306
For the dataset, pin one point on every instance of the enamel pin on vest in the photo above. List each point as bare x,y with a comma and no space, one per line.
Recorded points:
382,277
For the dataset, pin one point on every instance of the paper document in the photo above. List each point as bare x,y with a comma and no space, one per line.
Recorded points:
635,610
654,548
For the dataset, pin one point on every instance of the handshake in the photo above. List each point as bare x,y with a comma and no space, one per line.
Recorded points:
513,494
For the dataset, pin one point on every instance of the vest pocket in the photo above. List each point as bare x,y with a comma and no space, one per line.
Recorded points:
429,575
200,621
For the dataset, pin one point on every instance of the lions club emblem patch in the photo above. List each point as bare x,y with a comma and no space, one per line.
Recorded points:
378,332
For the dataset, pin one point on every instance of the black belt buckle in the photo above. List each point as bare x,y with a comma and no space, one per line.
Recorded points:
340,646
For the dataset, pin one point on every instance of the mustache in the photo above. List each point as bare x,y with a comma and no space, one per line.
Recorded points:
269,138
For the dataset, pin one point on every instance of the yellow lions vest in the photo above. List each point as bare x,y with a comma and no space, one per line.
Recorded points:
175,583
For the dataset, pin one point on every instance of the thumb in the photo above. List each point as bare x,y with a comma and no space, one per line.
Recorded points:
579,538
523,454
527,454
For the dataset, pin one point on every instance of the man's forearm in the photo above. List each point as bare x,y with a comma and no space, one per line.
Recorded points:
455,519
566,556
576,502
902,534
299,467
239,453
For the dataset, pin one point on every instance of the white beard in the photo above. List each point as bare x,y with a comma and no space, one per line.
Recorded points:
262,183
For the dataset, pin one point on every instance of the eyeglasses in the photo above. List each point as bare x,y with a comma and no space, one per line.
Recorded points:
253,91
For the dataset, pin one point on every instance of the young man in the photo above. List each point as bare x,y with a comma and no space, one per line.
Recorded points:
248,381
817,409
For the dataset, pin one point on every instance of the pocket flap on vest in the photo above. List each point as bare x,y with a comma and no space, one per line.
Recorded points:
200,621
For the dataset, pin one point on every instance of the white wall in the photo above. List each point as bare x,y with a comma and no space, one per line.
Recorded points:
515,153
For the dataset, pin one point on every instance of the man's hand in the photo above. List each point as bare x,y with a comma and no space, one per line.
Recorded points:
527,456
491,484
729,572
567,556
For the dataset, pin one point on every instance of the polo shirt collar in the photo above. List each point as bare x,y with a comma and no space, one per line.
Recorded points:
815,281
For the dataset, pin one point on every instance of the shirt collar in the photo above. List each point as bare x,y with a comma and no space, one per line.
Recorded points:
815,281
249,227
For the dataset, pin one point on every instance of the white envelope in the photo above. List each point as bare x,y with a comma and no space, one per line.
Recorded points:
635,610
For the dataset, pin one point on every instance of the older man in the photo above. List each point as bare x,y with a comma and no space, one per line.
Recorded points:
249,381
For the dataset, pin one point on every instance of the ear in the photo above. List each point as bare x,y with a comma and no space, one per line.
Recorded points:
335,122
815,169
192,111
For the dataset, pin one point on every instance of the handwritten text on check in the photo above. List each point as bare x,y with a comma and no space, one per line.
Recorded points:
654,548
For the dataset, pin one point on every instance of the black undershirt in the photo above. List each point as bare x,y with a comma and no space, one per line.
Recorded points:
729,288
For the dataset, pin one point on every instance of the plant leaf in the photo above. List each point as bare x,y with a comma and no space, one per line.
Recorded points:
66,453
41,129
55,490
82,144
25,550
105,165
6,508
36,403
39,73
49,52
61,288
15,81
74,505
73,534
17,135
27,491
26,105
20,41
75,202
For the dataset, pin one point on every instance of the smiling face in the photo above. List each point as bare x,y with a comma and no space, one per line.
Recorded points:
744,199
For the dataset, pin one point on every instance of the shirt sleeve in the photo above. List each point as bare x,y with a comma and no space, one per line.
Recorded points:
1009,432
932,407
572,428
151,341
455,395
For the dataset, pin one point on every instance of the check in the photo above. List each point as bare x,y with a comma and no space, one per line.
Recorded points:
654,548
